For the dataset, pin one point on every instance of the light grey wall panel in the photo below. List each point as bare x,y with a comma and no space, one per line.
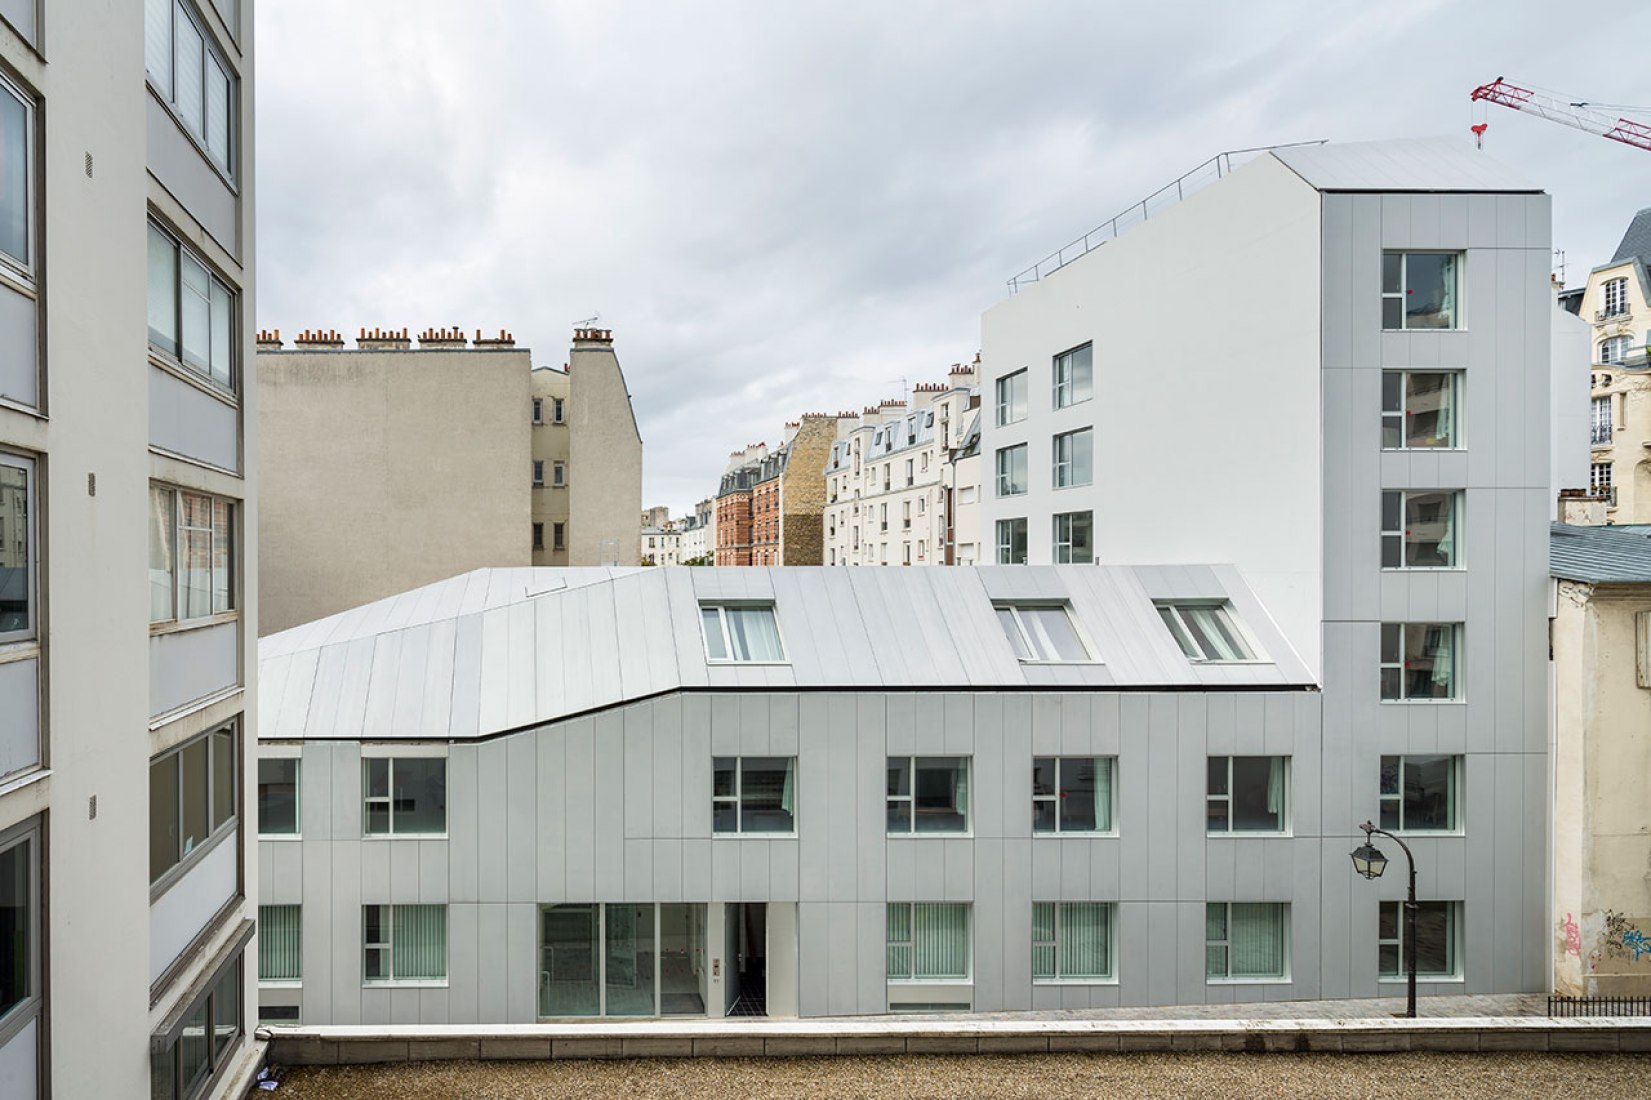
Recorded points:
189,422
19,345
20,702
186,665
178,163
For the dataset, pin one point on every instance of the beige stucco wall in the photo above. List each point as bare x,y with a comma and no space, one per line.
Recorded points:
1602,818
605,459
386,470
1628,390
551,444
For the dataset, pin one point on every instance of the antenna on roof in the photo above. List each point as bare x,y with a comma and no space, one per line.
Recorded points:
588,321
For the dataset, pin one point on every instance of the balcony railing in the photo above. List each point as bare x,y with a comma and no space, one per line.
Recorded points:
1603,315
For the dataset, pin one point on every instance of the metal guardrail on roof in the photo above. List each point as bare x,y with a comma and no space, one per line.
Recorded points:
1166,196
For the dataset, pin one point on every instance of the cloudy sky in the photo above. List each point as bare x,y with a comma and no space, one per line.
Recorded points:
783,206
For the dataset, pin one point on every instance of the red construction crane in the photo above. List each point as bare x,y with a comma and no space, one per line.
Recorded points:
1581,115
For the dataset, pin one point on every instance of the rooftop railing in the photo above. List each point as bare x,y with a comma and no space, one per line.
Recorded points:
1218,166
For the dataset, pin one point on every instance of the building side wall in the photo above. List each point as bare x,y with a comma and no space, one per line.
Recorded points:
551,444
386,470
605,461
802,499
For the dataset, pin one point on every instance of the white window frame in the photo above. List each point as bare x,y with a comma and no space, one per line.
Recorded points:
1004,468
1004,394
911,978
1284,910
1401,534
538,410
1286,815
1062,474
297,980
1600,428
31,630
558,410
1224,610
1458,788
1109,978
23,267
1453,925
538,472
558,475
1063,392
387,946
1613,350
1004,532
721,608
165,87
28,1008
1404,255
1037,642
1614,297
389,800
1062,542
1600,482
1455,658
737,799
910,797
1053,799
1402,413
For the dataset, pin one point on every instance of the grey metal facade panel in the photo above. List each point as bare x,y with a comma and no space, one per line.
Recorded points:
187,421
19,348
20,702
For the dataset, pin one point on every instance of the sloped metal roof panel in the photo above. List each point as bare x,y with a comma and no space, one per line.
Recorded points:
1617,554
1418,164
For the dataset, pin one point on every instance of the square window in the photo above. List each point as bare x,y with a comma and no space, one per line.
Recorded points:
1419,529
1421,794
1073,794
1420,409
1419,661
1421,290
1248,794
403,795
404,943
928,942
1041,632
1438,926
1246,941
754,794
1206,631
1074,376
1072,941
928,794
741,633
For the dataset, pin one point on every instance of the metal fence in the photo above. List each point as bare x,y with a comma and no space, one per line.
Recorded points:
1599,1006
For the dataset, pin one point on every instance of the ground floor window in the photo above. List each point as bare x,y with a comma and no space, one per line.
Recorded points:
928,942
1246,941
404,943
1072,941
280,943
622,960
187,1057
1437,925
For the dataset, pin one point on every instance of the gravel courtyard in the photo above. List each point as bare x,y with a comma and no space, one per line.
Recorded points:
997,1077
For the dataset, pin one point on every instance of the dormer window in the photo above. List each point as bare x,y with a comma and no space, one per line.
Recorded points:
1206,631
741,633
1041,633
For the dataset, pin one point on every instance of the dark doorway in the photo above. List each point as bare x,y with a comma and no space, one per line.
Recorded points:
746,952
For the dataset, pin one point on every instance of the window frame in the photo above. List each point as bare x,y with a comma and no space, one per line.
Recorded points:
558,475
30,832
558,410
538,410
558,537
387,946
1286,814
29,635
1603,484
1062,543
1601,430
1006,549
1457,322
721,607
1003,470
173,359
1062,390
911,977
265,757
1401,665
538,473
216,1059
911,761
211,54
296,980
1614,289
538,535
1454,926
1004,395
389,800
177,621
1055,796
1402,537
26,269
1403,412
1285,976
737,799
1064,464
1455,793
185,862
1056,920
1028,637
1613,350
1184,638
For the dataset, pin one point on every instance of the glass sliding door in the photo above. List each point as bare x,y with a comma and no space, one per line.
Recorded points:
622,960
629,958
568,961
682,986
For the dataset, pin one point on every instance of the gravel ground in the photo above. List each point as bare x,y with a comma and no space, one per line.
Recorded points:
999,1077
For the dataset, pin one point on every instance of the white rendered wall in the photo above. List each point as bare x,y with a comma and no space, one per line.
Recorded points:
1568,451
1205,323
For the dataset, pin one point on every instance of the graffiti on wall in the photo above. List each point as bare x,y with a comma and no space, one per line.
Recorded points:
1573,937
1623,943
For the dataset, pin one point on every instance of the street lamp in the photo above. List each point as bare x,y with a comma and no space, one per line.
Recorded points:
1369,861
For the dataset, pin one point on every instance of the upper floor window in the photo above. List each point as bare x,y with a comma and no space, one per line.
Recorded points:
191,798
1011,470
1074,538
928,794
16,178
754,794
538,410
190,75
1011,398
1072,794
1206,631
538,536
1438,926
1041,632
558,536
1421,794
1418,661
1246,941
191,555
1419,530
1074,376
558,410
1074,458
403,943
558,475
1419,409
17,549
538,471
403,795
19,923
191,311
741,632
1420,290
1615,298
1599,427
1248,794
1600,482
278,796
1072,941
1613,349
1011,541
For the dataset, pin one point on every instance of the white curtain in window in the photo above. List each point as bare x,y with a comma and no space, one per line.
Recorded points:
1447,296
1086,940
1445,423
1103,793
1256,935
940,941
1439,647
280,943
190,95
419,942
960,789
788,792
755,634
1275,786
157,43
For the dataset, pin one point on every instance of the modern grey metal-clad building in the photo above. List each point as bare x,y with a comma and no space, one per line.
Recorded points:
538,793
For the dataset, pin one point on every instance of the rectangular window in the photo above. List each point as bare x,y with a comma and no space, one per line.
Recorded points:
280,943
1616,298
403,795
1419,661
558,536
1011,470
17,549
538,471
1011,398
558,474
538,536
19,924
1419,530
741,632
278,796
1421,290
1041,632
1074,458
1206,631
623,960
928,942
558,406
754,794
1074,538
16,177
1421,794
1074,376
191,555
183,1062
191,311
1246,941
1600,483
1599,433
1072,794
189,75
1248,794
1438,925
909,475
1072,941
928,794
192,792
538,410
403,943
1419,409
1011,542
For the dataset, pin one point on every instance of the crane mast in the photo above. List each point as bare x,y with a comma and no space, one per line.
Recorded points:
1580,115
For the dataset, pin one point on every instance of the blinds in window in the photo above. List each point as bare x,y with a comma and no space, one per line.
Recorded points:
1043,940
1085,940
1256,937
420,942
940,941
280,943
899,941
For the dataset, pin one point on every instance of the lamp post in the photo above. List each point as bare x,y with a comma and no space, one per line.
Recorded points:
1369,862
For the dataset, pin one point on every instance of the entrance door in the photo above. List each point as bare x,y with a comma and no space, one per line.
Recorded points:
746,950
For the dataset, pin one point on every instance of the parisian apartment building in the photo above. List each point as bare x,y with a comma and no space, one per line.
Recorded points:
892,484
1387,319
126,875
689,539
770,504
1616,303
397,462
